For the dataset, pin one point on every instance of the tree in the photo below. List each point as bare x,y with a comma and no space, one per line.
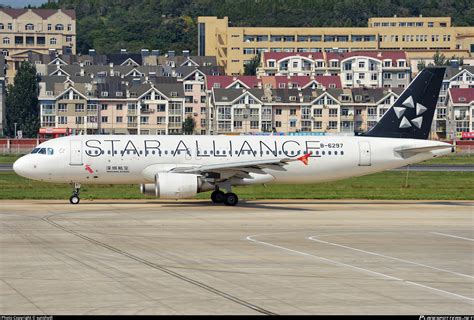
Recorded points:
439,59
188,125
21,103
421,65
250,69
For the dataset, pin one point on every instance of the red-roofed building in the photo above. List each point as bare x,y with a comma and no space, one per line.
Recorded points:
356,69
292,63
43,31
460,105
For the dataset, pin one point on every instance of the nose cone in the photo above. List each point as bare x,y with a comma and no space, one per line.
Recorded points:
23,167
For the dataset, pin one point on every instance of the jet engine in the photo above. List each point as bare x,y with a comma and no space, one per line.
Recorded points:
170,185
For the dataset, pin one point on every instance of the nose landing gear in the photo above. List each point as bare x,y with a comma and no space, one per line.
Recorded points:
74,199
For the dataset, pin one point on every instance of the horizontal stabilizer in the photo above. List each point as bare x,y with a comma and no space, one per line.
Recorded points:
407,152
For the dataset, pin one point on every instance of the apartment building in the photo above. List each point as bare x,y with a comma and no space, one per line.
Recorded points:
418,36
112,106
460,103
240,110
35,30
356,69
2,94
455,77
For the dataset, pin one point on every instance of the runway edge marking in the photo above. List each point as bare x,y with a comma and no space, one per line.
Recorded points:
250,238
313,238
452,236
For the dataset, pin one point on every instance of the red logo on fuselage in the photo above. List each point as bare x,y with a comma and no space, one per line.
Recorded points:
305,158
89,169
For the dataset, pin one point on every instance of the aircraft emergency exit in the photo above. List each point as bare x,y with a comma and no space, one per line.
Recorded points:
175,167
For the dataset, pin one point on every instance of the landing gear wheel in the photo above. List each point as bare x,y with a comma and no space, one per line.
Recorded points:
74,199
217,196
230,199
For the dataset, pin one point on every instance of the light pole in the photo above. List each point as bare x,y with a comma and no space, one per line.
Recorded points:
15,129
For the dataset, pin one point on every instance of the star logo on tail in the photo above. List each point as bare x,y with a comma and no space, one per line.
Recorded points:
400,111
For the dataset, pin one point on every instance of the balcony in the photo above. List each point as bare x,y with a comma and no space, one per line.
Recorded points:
132,124
147,111
131,112
347,117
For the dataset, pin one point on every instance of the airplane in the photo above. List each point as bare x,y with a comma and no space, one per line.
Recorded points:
176,167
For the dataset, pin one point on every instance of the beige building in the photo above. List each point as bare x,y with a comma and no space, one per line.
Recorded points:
418,36
35,30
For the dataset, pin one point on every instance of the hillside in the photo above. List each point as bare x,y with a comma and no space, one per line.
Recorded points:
109,25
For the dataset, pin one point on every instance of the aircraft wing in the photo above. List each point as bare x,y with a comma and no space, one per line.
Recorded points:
254,166
409,152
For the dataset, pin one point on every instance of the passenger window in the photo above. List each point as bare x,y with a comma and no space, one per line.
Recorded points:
50,151
35,150
42,151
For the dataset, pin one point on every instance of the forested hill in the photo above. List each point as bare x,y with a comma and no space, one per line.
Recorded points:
109,25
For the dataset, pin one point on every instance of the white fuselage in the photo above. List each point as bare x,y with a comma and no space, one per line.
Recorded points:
127,159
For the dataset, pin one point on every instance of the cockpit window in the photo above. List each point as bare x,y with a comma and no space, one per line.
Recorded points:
48,151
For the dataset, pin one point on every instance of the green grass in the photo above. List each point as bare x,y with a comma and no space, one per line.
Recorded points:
451,159
5,159
384,185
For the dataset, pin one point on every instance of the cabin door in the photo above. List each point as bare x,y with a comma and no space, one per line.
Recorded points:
76,153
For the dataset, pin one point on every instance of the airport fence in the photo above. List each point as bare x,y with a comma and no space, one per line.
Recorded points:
18,146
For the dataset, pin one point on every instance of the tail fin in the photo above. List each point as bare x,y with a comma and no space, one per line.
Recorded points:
412,113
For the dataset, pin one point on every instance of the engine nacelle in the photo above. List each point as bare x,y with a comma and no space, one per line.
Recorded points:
170,185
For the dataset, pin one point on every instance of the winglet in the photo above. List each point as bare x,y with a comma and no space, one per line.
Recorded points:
305,158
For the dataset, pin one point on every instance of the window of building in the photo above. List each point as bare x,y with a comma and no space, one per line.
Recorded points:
401,75
278,111
49,27
62,107
373,77
30,40
104,119
144,119
237,124
29,27
119,119
79,107
2,26
69,27
79,120
10,26
52,41
59,27
68,38
292,112
333,112
361,75
6,40
332,125
18,40
41,40
387,76
254,125
188,88
62,120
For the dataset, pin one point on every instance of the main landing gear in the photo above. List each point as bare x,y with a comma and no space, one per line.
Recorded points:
229,198
74,199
